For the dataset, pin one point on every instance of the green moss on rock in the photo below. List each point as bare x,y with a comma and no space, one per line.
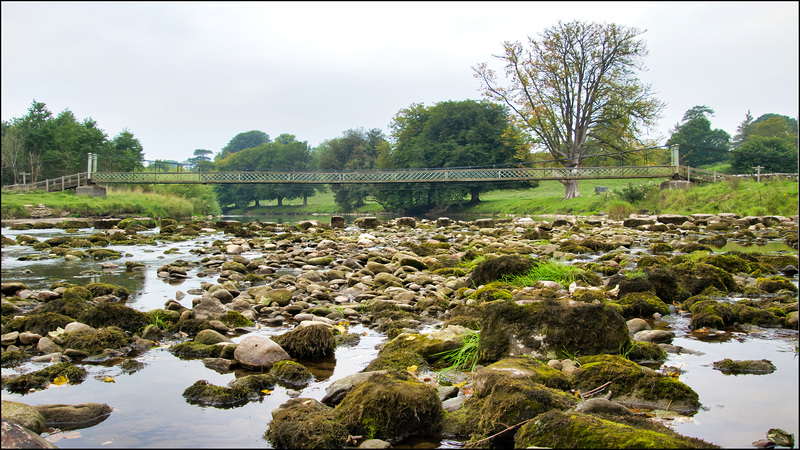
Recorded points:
557,429
40,378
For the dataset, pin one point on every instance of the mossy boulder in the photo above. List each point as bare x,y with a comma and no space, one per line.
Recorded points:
236,319
40,324
107,314
291,372
40,378
196,350
77,293
558,429
695,277
95,341
634,385
733,367
305,423
545,329
101,289
646,352
237,393
642,304
518,367
495,268
391,407
307,342
775,284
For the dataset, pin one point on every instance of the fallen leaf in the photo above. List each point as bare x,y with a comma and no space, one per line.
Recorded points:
61,380
411,338
109,380
460,385
266,391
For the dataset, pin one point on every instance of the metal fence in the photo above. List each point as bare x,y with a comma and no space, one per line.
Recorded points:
51,185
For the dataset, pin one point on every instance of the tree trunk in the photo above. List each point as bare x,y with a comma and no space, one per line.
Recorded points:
280,201
570,189
475,196
305,200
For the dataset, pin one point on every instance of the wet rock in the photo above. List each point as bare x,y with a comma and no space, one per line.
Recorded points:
10,289
337,390
657,336
208,308
637,324
544,330
291,372
557,429
23,414
634,385
267,295
309,342
257,353
15,435
210,337
67,417
46,345
375,443
729,366
305,423
602,406
390,407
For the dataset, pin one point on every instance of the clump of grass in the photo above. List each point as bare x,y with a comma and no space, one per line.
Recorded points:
465,357
550,270
619,210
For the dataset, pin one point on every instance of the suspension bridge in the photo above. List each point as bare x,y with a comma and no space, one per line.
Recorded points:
438,175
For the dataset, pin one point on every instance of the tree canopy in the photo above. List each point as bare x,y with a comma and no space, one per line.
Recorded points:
575,89
699,144
43,146
448,134
356,149
769,141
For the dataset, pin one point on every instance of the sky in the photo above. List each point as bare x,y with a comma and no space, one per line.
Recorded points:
192,75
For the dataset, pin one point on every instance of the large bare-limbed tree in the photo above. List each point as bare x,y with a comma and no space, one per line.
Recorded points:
575,88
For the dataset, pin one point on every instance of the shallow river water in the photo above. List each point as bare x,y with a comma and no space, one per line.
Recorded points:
149,410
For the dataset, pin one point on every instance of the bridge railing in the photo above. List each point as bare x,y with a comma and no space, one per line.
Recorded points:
52,184
388,176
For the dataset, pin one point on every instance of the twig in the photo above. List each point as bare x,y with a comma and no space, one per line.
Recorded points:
497,434
596,390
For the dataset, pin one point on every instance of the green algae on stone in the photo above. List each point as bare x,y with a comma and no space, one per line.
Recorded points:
291,372
101,289
495,268
95,341
696,277
304,423
634,385
391,407
557,429
106,314
206,394
642,304
642,351
40,324
545,329
196,350
310,342
732,367
40,378
236,319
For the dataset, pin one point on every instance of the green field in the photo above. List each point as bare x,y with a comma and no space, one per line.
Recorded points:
743,197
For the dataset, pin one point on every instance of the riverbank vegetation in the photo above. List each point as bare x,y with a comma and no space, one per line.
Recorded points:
622,198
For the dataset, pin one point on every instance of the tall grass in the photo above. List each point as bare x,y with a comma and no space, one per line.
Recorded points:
550,270
464,357
116,203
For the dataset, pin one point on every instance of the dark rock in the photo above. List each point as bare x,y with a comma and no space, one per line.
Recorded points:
15,435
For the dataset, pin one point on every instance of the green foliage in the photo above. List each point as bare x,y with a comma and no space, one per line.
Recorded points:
464,357
635,194
773,154
550,270
574,93
699,144
448,134
619,210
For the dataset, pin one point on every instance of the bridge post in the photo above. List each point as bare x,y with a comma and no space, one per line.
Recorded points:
675,151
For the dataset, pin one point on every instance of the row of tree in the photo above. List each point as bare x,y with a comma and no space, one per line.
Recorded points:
769,142
39,146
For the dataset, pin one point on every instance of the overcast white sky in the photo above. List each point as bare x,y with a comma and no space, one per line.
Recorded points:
188,75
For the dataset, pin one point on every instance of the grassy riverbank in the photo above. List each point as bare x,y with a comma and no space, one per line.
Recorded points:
743,197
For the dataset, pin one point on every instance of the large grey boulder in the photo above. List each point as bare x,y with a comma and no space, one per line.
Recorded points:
257,353
208,308
83,415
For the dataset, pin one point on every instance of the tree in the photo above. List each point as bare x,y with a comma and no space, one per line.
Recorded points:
37,136
699,144
448,134
769,141
127,153
201,160
357,149
13,151
241,141
575,84
773,154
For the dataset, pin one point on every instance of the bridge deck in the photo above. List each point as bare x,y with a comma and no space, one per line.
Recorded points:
371,176
387,176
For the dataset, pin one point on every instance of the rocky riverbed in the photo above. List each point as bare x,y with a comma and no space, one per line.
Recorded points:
556,363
